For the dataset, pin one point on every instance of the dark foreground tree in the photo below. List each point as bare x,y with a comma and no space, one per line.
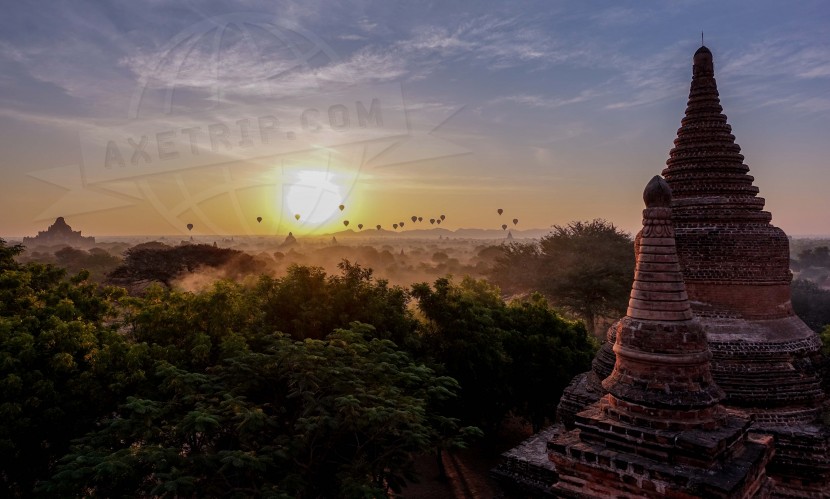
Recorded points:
336,418
547,352
517,357
61,366
307,385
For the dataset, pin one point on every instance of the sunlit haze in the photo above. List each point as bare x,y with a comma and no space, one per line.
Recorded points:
236,117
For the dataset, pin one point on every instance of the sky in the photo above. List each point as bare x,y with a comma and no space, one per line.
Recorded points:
143,117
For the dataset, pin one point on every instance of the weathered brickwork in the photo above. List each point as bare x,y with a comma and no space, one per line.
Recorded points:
660,431
767,362
736,268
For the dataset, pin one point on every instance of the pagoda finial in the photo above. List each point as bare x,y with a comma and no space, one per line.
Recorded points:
658,292
701,40
657,193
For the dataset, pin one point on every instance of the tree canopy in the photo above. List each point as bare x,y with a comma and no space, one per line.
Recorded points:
507,357
585,268
304,385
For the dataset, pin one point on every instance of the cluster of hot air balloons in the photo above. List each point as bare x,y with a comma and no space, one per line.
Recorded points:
413,218
504,226
399,225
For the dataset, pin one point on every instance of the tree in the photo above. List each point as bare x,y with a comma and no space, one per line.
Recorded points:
517,269
517,357
155,262
815,257
585,268
97,261
62,365
308,303
547,352
341,417
462,334
811,303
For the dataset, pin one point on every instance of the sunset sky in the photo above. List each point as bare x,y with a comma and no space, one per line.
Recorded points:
553,111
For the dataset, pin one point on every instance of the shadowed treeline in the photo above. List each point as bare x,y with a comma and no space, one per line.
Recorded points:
263,386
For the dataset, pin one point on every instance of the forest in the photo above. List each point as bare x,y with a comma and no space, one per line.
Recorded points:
258,387
118,380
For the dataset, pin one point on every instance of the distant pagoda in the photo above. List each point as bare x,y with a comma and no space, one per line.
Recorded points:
60,234
290,240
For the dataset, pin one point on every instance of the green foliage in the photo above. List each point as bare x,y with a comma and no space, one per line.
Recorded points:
516,357
60,365
463,335
307,303
307,385
340,417
97,261
547,352
585,268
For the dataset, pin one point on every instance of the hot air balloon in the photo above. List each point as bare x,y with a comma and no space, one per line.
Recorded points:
515,221
346,223
439,221
189,226
413,218
432,221
297,216
394,226
360,226
503,226
420,219
500,211
259,220
377,227
342,207
443,217
400,223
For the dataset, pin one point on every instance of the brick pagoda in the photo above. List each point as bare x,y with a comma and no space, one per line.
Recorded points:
735,266
661,430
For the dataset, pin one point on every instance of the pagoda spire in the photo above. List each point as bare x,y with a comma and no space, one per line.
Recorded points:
661,430
705,168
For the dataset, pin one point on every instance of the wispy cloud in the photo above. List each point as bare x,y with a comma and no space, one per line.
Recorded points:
790,56
548,102
498,43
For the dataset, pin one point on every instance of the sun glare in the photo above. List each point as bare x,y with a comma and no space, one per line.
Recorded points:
313,196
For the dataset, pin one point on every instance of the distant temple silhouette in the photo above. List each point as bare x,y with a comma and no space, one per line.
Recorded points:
60,233
290,240
665,412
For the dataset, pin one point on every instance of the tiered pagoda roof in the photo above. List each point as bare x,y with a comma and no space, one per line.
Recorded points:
661,430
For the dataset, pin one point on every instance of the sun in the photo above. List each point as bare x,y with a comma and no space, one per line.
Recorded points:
313,196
